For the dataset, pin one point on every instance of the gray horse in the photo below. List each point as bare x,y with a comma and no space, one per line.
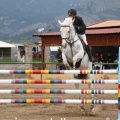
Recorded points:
74,55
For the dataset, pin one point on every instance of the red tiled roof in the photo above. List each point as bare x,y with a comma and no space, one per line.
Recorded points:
104,24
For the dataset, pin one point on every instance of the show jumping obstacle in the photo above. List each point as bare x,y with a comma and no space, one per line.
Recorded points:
45,91
57,91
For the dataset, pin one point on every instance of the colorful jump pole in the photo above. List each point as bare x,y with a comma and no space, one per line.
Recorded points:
58,71
57,91
48,101
55,81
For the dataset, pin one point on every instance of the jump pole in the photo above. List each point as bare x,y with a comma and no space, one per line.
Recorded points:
64,101
57,91
59,71
55,81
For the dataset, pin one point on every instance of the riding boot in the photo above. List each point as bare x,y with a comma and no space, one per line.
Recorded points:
89,51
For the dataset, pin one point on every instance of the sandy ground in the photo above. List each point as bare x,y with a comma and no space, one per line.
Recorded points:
56,111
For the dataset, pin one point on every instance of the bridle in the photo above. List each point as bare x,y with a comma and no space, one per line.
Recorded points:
68,40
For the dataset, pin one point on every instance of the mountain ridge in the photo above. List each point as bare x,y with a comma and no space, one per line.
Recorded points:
21,19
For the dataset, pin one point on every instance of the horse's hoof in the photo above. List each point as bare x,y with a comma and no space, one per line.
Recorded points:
82,110
92,112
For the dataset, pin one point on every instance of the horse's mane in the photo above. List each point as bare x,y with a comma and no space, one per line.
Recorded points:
67,21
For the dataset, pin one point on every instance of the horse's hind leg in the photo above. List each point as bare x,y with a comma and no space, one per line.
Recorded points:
81,106
90,86
80,76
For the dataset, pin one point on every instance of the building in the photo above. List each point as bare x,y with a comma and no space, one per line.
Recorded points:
5,51
104,35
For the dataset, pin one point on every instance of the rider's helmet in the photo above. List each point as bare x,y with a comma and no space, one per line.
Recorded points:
72,12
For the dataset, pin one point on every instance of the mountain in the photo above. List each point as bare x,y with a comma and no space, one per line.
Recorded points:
19,19
100,10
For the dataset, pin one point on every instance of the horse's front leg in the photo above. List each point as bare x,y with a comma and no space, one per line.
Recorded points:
65,61
79,55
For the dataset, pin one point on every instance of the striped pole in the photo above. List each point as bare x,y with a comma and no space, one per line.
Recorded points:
48,101
58,71
57,91
55,81
119,87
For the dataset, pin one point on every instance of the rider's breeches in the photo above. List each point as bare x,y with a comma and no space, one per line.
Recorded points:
83,37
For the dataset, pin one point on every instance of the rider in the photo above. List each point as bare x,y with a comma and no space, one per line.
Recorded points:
80,28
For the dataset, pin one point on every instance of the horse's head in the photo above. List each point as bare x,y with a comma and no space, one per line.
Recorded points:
67,29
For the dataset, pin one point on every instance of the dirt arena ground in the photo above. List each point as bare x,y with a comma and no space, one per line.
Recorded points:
56,111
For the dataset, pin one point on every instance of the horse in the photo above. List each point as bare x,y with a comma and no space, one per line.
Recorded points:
74,56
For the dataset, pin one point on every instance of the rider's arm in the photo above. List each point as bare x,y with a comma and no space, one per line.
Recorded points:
79,25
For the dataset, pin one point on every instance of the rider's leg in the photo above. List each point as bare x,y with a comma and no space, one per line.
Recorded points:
89,50
83,37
